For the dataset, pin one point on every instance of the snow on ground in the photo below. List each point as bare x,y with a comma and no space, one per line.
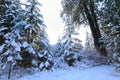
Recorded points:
91,67
103,72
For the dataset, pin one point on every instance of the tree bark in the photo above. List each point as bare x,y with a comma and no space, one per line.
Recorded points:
92,19
9,73
100,46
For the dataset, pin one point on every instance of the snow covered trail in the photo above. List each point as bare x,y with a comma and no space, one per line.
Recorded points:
96,73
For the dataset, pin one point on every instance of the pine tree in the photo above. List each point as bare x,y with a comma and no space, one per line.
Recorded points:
26,43
70,45
59,48
37,35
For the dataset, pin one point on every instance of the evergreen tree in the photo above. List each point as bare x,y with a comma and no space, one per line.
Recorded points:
59,48
10,46
37,35
26,43
69,45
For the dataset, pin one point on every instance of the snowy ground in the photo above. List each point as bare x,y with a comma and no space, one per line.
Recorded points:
95,73
91,67
103,72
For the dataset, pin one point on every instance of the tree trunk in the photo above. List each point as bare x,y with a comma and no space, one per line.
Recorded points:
9,73
100,46
94,29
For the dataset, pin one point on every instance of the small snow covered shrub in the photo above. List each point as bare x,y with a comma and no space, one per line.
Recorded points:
70,59
69,51
93,58
116,59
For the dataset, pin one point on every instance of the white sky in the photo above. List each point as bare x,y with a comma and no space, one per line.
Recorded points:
51,13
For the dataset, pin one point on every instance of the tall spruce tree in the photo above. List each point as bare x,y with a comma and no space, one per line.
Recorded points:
37,35
26,43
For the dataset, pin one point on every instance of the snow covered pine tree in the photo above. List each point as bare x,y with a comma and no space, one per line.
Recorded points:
70,45
26,38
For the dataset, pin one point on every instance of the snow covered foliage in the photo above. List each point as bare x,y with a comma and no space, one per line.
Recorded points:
24,39
37,35
6,17
8,46
69,46
57,48
69,43
111,27
14,45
